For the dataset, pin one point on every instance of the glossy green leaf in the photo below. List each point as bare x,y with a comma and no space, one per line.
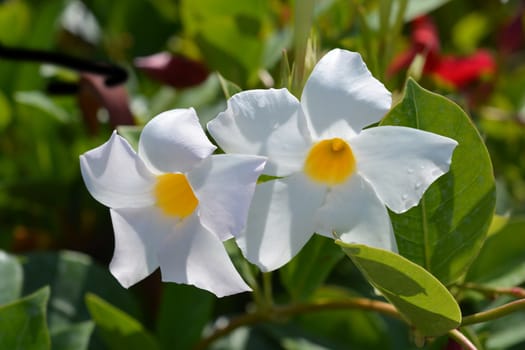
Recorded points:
119,330
12,275
310,268
73,337
444,233
184,311
501,262
23,323
420,298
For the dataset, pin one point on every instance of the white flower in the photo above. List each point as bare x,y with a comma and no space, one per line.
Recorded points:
333,175
173,204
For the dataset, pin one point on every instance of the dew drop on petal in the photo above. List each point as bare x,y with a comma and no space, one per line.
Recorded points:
404,197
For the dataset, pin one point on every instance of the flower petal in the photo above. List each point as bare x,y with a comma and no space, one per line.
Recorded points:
194,255
264,122
138,233
224,185
116,176
174,141
357,215
401,163
341,96
280,220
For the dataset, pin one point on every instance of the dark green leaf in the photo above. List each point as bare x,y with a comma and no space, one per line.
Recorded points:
23,323
184,312
119,330
420,298
12,275
501,262
309,269
444,233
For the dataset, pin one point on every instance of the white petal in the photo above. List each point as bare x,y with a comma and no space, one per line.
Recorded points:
224,185
116,176
174,141
357,215
341,96
138,233
280,221
264,122
193,255
401,163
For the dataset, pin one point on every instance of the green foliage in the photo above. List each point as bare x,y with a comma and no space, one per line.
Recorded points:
23,323
422,300
73,337
12,276
119,330
446,230
309,269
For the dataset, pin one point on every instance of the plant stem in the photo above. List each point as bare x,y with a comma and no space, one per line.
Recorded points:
461,339
304,12
267,289
491,291
497,312
281,312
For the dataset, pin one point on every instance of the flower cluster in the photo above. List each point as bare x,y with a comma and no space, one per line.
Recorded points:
173,203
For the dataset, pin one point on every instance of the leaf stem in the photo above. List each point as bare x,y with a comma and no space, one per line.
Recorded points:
492,314
461,339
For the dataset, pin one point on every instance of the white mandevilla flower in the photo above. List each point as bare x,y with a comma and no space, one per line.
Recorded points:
172,203
333,175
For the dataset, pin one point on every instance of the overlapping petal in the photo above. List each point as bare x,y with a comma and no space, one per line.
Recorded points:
138,234
401,163
280,220
224,185
355,213
341,96
174,141
116,176
263,122
193,255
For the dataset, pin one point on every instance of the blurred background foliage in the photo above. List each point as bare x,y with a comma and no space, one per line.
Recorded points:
46,213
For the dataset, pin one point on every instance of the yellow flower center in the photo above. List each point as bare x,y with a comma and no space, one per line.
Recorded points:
175,196
330,162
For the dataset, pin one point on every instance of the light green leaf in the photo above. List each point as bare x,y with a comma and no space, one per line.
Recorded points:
12,275
444,233
73,337
131,133
228,88
15,21
23,323
501,262
119,330
420,298
309,269
184,311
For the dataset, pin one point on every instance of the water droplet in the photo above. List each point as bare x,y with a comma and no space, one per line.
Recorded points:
417,186
404,197
410,170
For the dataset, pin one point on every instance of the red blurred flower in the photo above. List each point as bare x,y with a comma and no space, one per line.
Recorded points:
174,70
452,71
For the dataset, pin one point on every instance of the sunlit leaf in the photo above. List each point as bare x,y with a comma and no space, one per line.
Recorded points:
23,323
309,269
444,233
118,329
420,298
12,275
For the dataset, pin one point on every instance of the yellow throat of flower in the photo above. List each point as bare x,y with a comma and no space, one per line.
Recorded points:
330,162
175,196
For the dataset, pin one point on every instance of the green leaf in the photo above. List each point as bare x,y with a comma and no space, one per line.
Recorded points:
501,262
444,233
420,298
12,276
119,330
73,337
72,275
228,88
184,311
23,323
310,268
15,21
5,111
131,133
